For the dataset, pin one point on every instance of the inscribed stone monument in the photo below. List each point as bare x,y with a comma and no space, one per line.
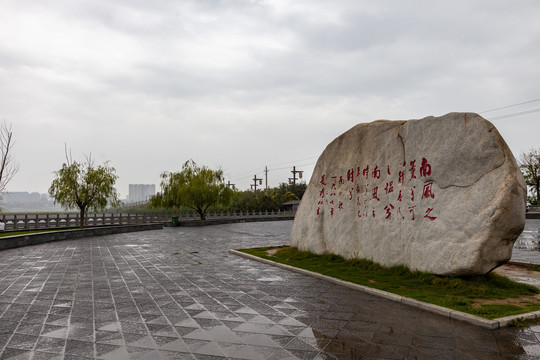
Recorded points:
440,194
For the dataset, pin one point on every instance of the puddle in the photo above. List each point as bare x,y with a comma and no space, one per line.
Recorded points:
270,278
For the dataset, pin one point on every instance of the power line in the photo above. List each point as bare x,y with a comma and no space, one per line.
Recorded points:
508,106
241,176
513,114
288,167
293,161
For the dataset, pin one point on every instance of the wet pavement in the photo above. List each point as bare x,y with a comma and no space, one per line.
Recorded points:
178,294
527,246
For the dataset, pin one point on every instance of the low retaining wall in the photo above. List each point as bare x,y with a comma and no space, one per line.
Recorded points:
206,222
532,215
9,242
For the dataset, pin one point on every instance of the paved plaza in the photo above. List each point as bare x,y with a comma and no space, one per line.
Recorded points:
178,294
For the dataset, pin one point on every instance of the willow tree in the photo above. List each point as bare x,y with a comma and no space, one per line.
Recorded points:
196,187
85,186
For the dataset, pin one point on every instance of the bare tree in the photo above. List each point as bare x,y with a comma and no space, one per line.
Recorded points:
530,167
8,167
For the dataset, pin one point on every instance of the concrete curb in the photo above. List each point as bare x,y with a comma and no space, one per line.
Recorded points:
434,309
15,241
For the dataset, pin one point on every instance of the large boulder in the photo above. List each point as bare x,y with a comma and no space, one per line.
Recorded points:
441,194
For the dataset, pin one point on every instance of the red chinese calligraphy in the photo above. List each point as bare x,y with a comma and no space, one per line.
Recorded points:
374,193
350,175
425,168
334,199
412,169
401,177
388,209
376,173
411,210
427,192
427,214
400,214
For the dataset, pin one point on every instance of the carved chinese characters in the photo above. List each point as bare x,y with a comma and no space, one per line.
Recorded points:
442,195
364,190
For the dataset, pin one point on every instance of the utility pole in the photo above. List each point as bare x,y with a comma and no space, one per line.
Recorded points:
294,172
266,176
229,185
255,179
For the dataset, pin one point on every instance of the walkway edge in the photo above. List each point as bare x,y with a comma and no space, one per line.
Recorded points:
15,241
434,309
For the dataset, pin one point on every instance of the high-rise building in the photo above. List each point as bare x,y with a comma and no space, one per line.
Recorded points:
141,192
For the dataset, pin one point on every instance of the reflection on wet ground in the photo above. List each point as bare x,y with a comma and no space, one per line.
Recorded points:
527,246
178,294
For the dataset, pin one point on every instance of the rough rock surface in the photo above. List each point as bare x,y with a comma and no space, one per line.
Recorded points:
440,194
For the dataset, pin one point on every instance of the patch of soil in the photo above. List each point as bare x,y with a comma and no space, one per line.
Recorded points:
518,301
520,274
272,252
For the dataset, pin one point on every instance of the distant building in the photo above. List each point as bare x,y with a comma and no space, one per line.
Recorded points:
21,197
141,192
291,205
27,201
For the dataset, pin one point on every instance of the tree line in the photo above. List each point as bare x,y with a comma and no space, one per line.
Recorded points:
201,189
90,187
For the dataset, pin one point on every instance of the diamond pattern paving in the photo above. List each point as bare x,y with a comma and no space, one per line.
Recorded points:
178,294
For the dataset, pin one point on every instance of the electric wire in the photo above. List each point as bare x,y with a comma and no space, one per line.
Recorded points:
499,117
513,114
509,106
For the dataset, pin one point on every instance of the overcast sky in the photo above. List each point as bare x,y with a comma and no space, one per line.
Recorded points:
242,85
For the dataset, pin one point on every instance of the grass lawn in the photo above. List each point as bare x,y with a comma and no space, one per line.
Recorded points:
490,296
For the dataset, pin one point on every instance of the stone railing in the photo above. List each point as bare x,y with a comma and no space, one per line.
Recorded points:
71,220
534,209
